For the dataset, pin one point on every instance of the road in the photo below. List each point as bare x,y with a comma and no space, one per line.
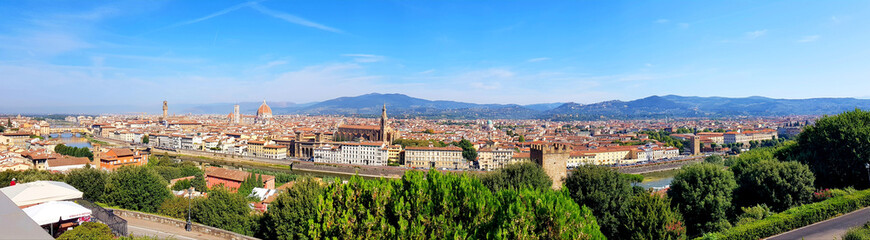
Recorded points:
138,227
829,229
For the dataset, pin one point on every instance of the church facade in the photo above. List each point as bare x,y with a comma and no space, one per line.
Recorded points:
381,133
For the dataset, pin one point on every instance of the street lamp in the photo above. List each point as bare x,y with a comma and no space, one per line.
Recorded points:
867,166
189,196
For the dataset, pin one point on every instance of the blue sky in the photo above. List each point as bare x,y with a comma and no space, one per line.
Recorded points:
142,52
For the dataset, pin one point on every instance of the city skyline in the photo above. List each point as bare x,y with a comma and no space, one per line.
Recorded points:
102,53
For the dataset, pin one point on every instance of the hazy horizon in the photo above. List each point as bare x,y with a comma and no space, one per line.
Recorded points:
126,53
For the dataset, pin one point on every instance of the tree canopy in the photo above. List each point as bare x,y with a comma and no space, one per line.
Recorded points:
650,217
91,181
603,190
517,176
835,149
136,188
703,193
468,150
429,206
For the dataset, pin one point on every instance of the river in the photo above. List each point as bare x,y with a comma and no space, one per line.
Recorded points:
71,139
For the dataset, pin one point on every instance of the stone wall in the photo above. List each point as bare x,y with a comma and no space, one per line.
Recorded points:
171,222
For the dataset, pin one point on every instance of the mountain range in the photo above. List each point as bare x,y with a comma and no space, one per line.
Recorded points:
670,106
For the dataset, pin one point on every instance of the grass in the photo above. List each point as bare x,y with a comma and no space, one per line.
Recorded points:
655,176
858,233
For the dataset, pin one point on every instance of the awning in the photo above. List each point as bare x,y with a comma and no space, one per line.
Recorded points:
54,211
39,192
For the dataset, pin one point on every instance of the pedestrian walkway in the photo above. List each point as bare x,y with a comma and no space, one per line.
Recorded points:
833,228
138,227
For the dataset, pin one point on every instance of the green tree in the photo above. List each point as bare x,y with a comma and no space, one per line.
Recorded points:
714,159
649,216
751,214
703,193
136,188
468,151
91,181
517,176
288,216
176,207
224,210
145,139
181,185
603,190
522,138
779,185
836,149
199,183
88,230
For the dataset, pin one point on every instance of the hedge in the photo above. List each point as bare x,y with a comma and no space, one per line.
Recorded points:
795,217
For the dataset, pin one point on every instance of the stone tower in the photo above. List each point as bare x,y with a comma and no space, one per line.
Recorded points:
384,125
553,158
98,153
165,109
696,145
236,117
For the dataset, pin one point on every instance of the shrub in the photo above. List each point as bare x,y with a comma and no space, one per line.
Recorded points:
88,230
796,217
517,176
858,233
136,188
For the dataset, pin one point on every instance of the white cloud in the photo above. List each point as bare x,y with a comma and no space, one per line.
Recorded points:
756,34
811,38
293,19
662,21
538,59
365,58
259,8
430,71
684,25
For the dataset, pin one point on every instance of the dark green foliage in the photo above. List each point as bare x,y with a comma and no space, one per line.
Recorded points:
288,216
145,139
176,207
714,159
136,188
836,149
198,183
517,176
91,181
88,230
664,137
703,193
603,190
779,185
280,177
650,217
225,210
169,169
426,206
633,178
858,233
29,176
181,185
752,214
74,151
468,150
253,181
796,217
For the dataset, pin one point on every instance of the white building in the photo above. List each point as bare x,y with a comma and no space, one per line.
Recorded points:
362,153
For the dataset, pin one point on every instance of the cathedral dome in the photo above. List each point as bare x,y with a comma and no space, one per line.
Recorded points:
264,110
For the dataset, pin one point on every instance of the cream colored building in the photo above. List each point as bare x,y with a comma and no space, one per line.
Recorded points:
490,159
435,157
